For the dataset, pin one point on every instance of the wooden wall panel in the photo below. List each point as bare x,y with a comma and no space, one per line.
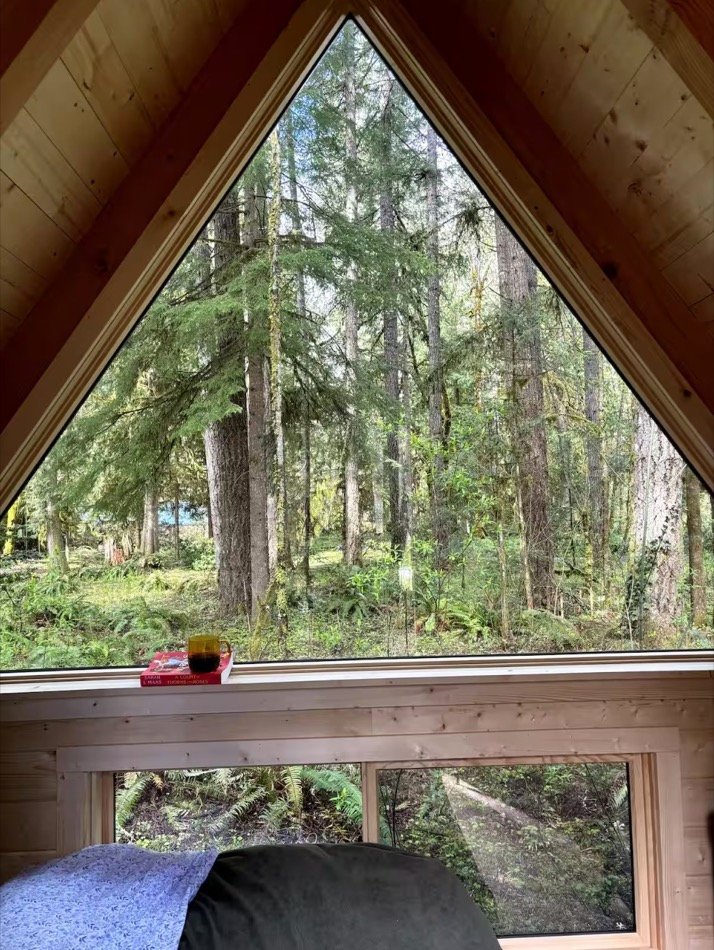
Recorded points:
28,826
697,758
333,723
28,776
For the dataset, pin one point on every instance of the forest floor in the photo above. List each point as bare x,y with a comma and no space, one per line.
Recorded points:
101,615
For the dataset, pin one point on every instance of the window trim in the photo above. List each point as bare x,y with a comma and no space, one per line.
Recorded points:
644,831
378,671
655,788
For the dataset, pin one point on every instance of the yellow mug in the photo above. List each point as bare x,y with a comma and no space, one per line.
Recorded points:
204,652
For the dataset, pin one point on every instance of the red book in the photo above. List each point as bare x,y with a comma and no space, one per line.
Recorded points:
171,669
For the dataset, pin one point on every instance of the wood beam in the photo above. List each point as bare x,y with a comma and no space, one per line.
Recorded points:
577,239
698,17
33,35
686,44
77,325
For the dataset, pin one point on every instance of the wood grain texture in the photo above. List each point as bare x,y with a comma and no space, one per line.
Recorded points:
29,234
134,33
96,67
412,748
141,233
33,36
28,826
560,214
584,718
73,812
682,47
698,17
346,722
700,900
28,776
697,753
13,862
32,161
701,938
697,801
62,111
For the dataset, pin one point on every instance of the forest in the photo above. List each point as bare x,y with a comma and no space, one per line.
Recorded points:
541,848
356,421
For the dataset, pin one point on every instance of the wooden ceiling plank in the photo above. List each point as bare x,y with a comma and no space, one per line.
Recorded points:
61,109
17,303
566,46
522,31
14,272
30,159
188,35
692,274
96,67
704,310
32,37
676,152
698,17
688,236
679,210
489,16
649,101
146,227
227,12
28,233
133,31
8,326
617,52
681,46
579,241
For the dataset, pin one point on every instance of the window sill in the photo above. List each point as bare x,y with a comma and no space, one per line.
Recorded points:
378,672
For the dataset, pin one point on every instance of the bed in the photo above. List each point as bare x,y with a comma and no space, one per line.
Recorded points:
273,897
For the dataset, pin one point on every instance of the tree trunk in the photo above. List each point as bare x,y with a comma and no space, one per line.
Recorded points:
524,365
226,440
277,452
307,494
406,469
597,511
436,376
652,603
695,544
55,542
391,332
150,528
227,467
378,483
177,525
353,541
10,526
257,428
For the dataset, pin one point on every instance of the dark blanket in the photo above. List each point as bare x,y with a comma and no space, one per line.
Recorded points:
337,897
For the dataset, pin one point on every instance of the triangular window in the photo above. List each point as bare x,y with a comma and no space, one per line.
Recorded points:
356,422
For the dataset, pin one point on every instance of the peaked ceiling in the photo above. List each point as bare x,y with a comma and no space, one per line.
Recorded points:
589,125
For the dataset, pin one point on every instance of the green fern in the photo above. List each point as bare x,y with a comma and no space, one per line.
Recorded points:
238,810
128,798
292,780
344,794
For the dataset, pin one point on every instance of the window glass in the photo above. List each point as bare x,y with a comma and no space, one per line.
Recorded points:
234,808
357,421
544,849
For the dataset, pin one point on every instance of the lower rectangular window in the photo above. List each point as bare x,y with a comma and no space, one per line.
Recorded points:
225,808
544,849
